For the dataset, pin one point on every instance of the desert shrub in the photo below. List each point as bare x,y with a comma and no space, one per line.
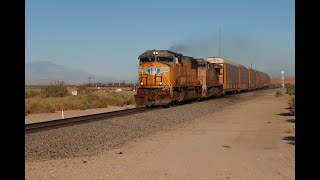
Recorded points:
82,89
94,101
32,93
278,93
87,101
292,105
55,90
274,86
97,99
119,99
74,103
290,89
40,105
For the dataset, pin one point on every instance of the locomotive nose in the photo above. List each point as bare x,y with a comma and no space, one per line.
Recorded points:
153,75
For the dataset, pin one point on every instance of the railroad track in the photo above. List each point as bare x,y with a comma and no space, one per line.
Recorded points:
42,126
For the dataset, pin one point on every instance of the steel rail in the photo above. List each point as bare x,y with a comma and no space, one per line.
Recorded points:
52,124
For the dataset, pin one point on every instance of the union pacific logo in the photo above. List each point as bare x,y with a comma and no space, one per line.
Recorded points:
154,70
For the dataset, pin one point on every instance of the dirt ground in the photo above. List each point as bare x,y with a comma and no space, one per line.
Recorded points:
249,140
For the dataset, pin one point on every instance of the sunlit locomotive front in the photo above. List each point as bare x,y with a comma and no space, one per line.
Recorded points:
165,77
154,72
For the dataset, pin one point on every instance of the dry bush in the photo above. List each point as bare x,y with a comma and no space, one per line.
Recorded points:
40,105
74,103
274,86
292,105
290,89
278,94
118,98
95,101
82,89
57,89
89,100
32,93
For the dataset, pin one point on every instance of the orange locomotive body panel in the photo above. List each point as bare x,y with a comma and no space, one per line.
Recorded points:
208,75
186,72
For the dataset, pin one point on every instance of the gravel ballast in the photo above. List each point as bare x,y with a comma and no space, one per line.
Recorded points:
93,138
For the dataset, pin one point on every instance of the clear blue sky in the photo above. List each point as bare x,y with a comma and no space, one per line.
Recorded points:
105,37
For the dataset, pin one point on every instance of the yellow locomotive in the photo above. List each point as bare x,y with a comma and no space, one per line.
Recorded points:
165,77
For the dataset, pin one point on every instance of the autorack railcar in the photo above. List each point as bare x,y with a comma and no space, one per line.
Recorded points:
229,73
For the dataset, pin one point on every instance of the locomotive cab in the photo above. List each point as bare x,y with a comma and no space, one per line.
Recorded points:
154,73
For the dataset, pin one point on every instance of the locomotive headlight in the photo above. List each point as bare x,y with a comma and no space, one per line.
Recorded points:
141,83
160,83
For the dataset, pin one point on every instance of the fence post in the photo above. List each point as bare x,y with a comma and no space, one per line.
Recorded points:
62,114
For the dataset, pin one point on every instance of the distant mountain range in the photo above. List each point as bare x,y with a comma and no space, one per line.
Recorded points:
45,72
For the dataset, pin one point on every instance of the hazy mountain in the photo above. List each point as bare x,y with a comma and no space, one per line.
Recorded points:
45,72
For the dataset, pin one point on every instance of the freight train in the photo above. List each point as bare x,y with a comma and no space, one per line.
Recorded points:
166,77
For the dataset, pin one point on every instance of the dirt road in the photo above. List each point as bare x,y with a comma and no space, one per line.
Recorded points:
249,140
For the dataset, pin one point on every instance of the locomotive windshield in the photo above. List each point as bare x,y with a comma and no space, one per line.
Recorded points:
160,59
202,65
146,59
165,59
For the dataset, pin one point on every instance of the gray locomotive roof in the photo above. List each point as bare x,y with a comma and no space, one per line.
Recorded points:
166,53
201,60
